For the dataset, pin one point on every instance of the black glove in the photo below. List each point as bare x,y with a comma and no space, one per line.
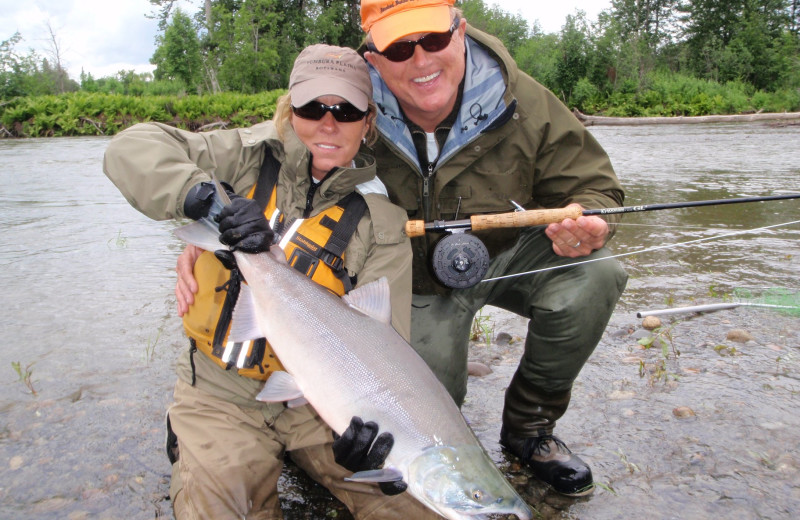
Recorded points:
243,226
198,200
226,258
355,451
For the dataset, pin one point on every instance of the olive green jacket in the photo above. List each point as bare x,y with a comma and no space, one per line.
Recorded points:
512,140
154,166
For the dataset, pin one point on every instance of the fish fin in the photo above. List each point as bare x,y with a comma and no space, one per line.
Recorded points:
244,324
200,234
372,299
296,403
277,253
280,387
376,475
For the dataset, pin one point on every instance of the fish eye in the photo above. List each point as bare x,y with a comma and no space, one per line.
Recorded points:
477,495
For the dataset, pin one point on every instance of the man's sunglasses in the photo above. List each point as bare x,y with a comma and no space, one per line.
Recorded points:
342,112
431,42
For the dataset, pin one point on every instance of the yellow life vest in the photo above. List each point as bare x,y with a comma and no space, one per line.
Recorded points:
314,246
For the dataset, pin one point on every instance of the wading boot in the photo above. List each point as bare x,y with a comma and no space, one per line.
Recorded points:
552,462
529,417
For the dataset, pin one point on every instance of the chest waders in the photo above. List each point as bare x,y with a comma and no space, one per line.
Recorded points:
313,245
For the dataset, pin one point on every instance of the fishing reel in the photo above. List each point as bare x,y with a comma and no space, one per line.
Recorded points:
460,260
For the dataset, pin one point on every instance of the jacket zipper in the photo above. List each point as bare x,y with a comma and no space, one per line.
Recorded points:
310,199
426,192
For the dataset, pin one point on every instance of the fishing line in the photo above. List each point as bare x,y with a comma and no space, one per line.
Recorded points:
702,228
640,251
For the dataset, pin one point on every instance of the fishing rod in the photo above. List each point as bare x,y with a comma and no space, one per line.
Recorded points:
460,260
539,217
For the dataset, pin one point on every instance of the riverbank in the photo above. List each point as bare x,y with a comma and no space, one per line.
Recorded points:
787,117
704,427
97,114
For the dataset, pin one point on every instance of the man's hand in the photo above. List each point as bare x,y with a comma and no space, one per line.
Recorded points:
186,286
355,451
576,238
243,226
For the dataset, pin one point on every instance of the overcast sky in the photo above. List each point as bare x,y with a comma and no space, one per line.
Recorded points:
103,37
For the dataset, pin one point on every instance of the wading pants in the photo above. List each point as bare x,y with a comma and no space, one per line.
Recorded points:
568,309
231,458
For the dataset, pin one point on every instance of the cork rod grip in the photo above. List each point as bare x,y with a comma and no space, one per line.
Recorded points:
534,217
415,228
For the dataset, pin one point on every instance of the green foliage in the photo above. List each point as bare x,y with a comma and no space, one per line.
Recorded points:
178,57
539,57
640,58
575,49
512,30
83,113
28,75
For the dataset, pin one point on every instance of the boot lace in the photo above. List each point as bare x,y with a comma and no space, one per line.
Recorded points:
540,446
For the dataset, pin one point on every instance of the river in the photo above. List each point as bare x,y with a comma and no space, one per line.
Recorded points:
87,373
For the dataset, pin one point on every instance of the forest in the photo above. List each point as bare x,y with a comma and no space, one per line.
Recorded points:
226,63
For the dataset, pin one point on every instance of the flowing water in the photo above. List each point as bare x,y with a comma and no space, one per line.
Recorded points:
92,336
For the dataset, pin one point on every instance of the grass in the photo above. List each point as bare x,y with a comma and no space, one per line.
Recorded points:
25,375
660,337
150,348
120,242
482,328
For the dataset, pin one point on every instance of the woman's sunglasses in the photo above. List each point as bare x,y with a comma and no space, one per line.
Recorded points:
402,50
342,112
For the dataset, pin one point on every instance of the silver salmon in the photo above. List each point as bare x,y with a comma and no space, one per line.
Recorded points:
345,359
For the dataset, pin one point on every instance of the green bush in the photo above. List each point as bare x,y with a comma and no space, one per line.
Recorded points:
85,113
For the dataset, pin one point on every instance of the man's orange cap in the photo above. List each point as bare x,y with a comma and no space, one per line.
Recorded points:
390,20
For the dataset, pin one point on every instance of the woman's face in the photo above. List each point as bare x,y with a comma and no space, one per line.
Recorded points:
331,143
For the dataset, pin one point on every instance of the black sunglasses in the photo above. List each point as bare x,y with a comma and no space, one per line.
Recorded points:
402,50
342,112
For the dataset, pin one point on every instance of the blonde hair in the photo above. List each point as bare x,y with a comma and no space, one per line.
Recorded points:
283,118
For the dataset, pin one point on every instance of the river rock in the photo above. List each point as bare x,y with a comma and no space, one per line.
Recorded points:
478,369
739,336
683,412
651,322
621,395
15,463
503,339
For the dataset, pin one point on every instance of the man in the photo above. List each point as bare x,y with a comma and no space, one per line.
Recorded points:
463,132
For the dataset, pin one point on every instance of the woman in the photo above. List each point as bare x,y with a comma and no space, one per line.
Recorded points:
299,177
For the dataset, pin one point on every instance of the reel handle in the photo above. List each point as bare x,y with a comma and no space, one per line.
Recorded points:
533,217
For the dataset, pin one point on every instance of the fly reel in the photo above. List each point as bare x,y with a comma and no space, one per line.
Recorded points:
460,260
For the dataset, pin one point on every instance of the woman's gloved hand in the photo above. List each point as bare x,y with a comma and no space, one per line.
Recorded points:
356,451
243,226
198,200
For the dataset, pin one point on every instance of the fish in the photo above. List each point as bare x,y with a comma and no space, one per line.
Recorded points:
345,359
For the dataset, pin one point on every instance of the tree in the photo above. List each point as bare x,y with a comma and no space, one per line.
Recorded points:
574,48
512,30
738,39
177,56
538,56
58,72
